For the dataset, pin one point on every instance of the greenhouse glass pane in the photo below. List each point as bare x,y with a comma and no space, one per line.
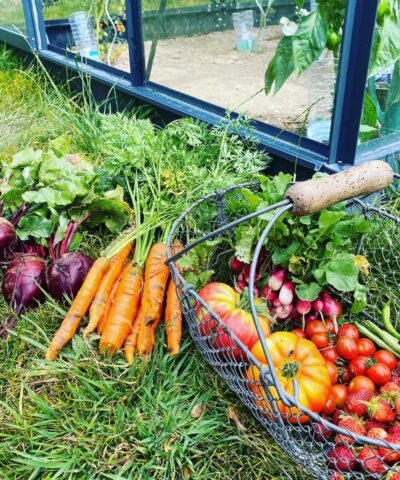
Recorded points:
381,112
12,15
94,28
219,52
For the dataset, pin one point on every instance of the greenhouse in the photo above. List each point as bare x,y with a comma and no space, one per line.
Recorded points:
199,239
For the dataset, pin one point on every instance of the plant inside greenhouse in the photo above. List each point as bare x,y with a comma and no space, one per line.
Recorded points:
199,239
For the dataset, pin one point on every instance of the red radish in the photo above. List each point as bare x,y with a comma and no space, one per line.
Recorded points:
269,294
311,316
283,312
286,293
246,273
276,303
303,307
331,308
295,314
256,292
241,282
317,306
276,280
236,265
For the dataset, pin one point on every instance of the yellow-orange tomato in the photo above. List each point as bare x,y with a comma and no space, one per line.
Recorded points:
293,358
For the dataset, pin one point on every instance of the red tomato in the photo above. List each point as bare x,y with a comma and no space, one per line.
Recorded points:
339,393
344,375
361,382
313,327
299,332
333,372
366,347
383,356
330,406
348,330
358,365
330,326
379,373
320,340
346,347
330,354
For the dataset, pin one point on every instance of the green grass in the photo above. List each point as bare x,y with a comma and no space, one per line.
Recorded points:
87,417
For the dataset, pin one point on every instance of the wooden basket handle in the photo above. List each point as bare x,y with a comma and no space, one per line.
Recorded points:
314,195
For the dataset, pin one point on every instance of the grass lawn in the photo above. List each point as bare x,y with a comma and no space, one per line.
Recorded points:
86,417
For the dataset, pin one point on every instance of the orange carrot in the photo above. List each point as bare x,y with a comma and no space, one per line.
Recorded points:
131,341
99,302
173,320
123,310
103,320
155,282
78,308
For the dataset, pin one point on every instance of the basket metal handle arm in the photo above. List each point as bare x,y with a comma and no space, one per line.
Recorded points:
313,195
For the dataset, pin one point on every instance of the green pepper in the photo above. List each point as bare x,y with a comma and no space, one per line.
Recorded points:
333,40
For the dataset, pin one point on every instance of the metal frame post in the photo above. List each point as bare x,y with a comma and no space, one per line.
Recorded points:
135,41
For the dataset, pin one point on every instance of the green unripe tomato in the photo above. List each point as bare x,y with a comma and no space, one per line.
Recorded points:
333,40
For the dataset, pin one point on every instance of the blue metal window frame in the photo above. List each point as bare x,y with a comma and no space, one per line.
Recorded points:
350,87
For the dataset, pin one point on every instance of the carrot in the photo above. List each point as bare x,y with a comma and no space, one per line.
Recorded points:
155,282
78,308
123,310
99,302
173,320
131,341
104,317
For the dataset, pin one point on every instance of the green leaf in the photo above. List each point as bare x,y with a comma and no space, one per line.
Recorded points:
281,66
252,199
394,91
308,292
61,145
63,222
283,255
245,237
327,218
385,51
36,227
26,158
341,272
309,41
360,299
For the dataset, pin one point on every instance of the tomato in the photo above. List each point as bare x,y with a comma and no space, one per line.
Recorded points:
346,347
313,327
361,382
379,373
339,393
224,301
294,358
299,332
333,40
383,356
348,330
330,326
330,354
333,372
344,374
366,347
330,406
320,340
358,365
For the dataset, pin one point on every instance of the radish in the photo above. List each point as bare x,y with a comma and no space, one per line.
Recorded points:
286,293
246,273
311,316
241,282
236,265
295,314
331,308
276,280
283,312
269,294
303,307
256,292
317,306
276,303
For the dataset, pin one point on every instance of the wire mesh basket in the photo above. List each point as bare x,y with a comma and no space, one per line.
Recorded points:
310,438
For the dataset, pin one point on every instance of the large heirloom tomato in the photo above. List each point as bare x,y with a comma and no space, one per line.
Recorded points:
226,303
293,358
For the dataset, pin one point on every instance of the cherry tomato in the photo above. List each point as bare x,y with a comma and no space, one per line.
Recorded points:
333,372
313,327
344,375
358,365
379,373
330,326
299,332
383,356
346,347
320,340
330,406
361,382
330,354
339,393
348,330
366,347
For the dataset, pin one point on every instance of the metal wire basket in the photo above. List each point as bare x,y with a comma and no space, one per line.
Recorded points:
210,218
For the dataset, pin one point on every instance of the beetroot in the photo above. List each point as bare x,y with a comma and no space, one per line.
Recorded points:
65,275
8,240
22,281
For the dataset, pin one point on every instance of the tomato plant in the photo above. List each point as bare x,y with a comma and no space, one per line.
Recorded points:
361,382
366,347
295,358
383,356
346,347
339,393
379,373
